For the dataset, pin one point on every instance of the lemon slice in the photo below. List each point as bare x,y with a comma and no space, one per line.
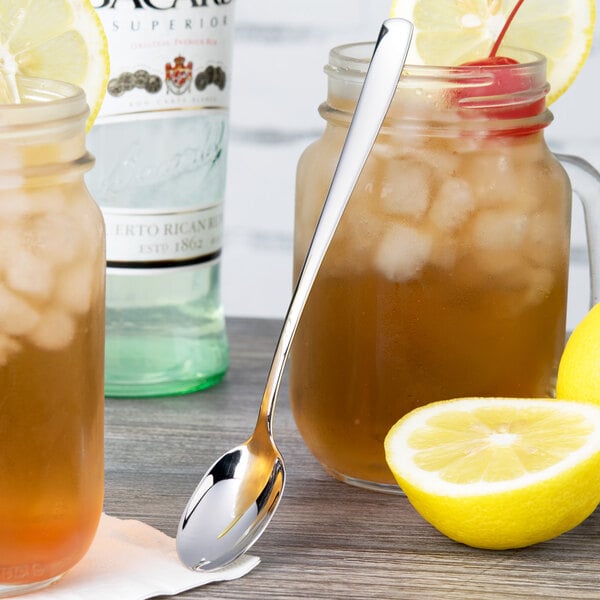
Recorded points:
450,32
54,39
499,472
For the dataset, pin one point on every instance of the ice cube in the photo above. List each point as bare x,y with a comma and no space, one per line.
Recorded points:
49,199
453,204
352,245
467,145
492,176
548,238
54,331
420,104
17,316
29,274
403,252
499,229
365,230
8,347
21,203
540,282
392,145
55,236
74,288
439,157
527,287
405,188
15,204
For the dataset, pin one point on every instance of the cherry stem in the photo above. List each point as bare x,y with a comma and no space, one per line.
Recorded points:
505,28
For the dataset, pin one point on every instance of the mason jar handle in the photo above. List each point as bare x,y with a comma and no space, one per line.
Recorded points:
586,186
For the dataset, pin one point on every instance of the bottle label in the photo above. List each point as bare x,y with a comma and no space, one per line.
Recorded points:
144,239
166,54
160,171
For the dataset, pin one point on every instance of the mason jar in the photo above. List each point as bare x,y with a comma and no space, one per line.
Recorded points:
447,276
51,338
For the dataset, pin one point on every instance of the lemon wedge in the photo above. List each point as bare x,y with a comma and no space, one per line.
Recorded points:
499,473
53,39
448,32
578,372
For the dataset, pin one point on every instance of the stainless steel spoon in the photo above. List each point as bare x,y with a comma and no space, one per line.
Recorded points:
238,495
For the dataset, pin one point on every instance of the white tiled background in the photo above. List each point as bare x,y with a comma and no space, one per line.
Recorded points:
280,48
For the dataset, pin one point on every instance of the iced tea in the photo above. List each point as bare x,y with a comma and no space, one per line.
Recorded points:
447,276
51,340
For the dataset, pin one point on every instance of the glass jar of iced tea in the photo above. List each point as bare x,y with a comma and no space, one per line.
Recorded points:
51,338
447,276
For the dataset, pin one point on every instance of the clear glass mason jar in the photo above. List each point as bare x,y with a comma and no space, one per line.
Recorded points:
448,274
52,267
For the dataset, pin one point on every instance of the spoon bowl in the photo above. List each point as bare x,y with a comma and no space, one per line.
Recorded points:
238,495
232,505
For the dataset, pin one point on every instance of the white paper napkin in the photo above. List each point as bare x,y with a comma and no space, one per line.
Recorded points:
130,560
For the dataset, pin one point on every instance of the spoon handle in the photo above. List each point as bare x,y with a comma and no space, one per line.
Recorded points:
378,90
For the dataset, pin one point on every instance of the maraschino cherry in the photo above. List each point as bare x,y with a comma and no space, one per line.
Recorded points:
503,81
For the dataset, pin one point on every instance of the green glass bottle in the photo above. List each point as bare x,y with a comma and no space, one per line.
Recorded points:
161,146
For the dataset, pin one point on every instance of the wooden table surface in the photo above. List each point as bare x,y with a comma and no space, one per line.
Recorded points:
327,539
